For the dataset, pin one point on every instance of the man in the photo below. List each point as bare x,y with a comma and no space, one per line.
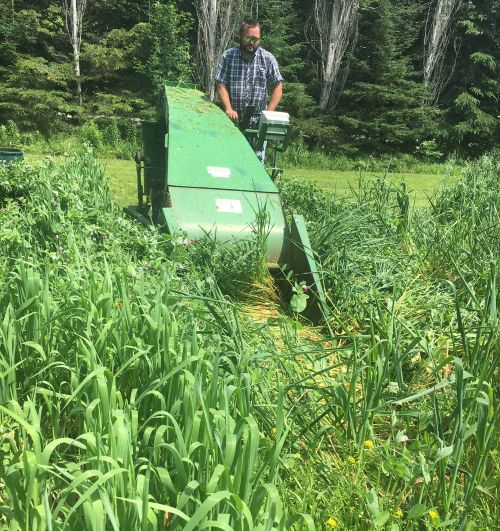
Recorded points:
244,75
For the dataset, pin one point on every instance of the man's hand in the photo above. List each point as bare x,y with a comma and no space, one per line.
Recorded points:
232,114
226,101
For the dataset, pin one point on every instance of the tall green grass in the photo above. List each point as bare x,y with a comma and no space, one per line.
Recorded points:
298,154
404,401
137,394
125,399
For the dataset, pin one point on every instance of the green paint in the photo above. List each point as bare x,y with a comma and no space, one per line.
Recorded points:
215,182
204,143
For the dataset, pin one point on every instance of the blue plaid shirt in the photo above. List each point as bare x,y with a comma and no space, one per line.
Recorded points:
247,81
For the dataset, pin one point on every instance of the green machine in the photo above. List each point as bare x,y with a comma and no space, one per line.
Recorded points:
199,175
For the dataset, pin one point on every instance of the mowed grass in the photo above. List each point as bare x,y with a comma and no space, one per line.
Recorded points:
420,185
122,181
121,175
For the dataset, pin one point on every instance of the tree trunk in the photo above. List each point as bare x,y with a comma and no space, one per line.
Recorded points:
76,49
212,44
74,10
336,30
330,66
218,20
436,43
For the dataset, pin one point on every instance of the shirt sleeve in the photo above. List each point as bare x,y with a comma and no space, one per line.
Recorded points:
222,70
273,71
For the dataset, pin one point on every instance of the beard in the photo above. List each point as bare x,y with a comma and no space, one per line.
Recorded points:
249,49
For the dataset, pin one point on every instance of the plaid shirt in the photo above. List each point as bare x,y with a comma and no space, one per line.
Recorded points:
247,81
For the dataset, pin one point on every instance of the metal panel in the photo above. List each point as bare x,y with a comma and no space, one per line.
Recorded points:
226,214
305,268
206,150
9,155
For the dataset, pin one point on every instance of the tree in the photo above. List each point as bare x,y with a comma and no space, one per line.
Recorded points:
281,30
34,77
381,109
217,23
472,98
166,42
75,10
436,43
335,22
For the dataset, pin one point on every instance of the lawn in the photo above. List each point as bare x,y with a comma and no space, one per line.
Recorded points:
122,181
420,185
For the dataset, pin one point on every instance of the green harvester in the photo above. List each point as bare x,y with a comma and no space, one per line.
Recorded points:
199,175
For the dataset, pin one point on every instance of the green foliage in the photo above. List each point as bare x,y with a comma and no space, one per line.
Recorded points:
17,31
469,205
34,95
282,36
392,118
166,39
108,61
425,159
111,135
10,135
129,48
472,97
428,150
91,133
134,391
110,399
404,404
111,139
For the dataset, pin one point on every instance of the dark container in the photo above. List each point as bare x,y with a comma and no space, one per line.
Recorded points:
9,155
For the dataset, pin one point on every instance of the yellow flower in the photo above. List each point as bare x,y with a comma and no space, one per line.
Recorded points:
369,444
351,460
331,522
273,430
398,513
433,514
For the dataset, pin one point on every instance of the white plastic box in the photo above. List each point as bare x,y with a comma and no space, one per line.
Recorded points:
277,124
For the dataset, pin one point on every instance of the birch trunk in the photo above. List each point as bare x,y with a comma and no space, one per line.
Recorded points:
76,49
436,43
336,29
218,21
75,10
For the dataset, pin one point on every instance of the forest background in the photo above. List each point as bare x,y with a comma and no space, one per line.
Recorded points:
362,77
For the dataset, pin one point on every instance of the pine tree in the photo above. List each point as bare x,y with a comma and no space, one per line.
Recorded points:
34,76
473,96
381,109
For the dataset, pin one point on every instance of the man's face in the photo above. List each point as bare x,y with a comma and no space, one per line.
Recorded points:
249,39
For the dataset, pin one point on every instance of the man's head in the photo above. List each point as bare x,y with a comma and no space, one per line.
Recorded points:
249,36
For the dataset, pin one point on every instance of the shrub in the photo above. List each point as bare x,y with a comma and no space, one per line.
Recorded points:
111,135
10,135
91,133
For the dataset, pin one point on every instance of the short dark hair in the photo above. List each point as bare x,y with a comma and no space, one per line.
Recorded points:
251,22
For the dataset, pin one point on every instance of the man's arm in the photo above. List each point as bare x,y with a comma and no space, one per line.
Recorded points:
276,93
226,101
